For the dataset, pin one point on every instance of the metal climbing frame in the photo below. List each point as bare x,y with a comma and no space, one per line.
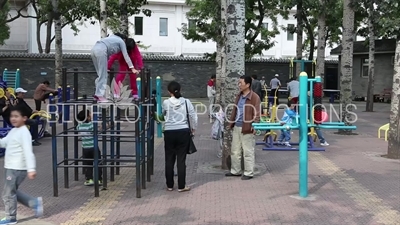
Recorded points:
111,159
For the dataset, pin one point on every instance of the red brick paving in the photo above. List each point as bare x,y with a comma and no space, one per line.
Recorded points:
264,200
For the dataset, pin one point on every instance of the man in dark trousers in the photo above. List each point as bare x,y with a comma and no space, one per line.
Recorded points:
33,123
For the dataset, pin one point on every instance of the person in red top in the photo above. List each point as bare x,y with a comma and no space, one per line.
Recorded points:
137,61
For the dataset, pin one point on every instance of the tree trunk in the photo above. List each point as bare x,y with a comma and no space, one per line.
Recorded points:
346,67
371,59
321,44
221,55
38,37
49,33
124,18
58,45
299,32
394,130
235,66
103,18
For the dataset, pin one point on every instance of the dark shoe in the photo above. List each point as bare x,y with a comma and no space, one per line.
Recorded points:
47,134
232,175
246,178
36,143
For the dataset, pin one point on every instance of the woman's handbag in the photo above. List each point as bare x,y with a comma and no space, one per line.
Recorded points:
192,148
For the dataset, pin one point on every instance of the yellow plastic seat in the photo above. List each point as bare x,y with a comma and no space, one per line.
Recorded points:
384,128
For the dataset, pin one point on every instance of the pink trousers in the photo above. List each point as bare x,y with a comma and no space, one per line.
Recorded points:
132,77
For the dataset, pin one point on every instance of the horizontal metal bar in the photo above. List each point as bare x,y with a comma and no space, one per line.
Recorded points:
100,166
337,127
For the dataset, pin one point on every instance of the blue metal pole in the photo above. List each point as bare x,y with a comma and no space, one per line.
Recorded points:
303,148
158,90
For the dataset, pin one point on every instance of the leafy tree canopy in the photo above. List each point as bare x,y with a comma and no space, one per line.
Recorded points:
205,23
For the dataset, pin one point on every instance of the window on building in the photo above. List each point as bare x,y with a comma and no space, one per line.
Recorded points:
290,32
138,25
163,26
264,36
191,24
365,67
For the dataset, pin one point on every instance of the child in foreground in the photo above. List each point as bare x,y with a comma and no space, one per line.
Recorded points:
19,162
287,118
86,131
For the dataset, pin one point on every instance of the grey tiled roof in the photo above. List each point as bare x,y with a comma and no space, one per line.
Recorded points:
145,57
384,45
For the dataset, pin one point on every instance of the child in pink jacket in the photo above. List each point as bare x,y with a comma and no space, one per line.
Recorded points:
137,61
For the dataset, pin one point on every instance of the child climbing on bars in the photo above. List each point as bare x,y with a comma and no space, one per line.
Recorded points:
100,52
136,58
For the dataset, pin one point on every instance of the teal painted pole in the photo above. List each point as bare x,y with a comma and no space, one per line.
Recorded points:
139,86
311,102
158,90
302,65
303,148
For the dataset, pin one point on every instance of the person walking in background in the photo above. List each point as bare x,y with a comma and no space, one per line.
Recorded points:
256,86
293,88
177,134
211,95
100,52
263,87
42,92
275,84
137,61
243,139
19,162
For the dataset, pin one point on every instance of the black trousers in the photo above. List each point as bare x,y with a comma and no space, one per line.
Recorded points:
34,128
88,153
272,94
38,103
176,144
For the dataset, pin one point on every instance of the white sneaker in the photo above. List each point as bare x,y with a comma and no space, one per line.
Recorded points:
287,144
116,96
325,144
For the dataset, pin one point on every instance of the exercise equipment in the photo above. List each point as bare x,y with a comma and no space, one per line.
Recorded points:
302,126
11,78
110,160
302,66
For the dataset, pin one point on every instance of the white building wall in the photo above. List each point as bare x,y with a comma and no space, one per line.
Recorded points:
23,34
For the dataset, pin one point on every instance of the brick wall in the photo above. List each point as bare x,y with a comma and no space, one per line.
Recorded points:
191,73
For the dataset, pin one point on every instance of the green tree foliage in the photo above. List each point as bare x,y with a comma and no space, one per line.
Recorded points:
205,23
4,28
72,12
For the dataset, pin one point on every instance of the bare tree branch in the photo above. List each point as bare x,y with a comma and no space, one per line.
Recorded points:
19,14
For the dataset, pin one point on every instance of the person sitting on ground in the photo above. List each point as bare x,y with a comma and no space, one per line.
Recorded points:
5,105
33,123
85,128
287,119
42,92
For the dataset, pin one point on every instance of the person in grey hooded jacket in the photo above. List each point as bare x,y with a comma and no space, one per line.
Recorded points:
177,134
100,52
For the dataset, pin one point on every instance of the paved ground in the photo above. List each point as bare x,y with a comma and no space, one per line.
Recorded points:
350,184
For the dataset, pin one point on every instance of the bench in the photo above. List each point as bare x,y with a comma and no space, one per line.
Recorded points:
384,96
384,128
